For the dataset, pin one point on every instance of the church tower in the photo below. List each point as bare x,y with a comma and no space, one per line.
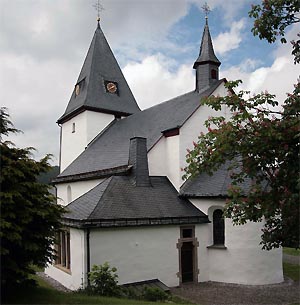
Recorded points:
207,64
100,95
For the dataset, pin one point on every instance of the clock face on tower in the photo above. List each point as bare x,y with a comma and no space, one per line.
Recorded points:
111,87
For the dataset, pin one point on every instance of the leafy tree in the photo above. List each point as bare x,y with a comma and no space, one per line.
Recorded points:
272,18
261,145
29,216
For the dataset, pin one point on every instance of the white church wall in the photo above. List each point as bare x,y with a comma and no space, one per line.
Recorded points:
96,122
73,139
78,132
243,262
75,189
138,253
164,158
192,128
77,275
157,159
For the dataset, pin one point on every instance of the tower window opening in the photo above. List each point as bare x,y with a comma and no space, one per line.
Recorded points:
213,74
73,127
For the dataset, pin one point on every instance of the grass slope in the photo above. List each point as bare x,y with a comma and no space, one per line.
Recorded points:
292,271
291,251
45,294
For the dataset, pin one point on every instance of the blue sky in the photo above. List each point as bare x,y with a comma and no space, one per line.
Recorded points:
43,44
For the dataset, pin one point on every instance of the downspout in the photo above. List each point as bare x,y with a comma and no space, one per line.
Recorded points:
88,258
60,141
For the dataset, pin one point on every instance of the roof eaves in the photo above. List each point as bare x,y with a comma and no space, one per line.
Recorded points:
120,170
66,117
134,222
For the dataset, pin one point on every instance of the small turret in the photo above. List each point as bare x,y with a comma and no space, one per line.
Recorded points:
207,64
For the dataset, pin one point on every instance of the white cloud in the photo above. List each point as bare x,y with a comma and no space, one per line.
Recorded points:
227,41
152,82
277,79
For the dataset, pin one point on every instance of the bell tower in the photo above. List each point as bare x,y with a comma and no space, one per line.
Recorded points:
207,64
100,95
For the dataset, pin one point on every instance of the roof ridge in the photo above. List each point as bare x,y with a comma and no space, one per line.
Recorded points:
103,193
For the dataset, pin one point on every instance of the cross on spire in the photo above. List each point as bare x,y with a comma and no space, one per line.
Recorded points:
206,10
98,7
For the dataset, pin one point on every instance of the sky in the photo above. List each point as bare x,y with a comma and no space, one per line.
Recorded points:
43,44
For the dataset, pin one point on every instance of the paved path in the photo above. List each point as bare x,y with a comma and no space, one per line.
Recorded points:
212,293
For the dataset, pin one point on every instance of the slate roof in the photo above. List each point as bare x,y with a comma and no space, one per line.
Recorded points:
118,202
100,66
216,185
110,149
206,54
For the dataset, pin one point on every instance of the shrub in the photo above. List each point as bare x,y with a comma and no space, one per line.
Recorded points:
154,294
104,280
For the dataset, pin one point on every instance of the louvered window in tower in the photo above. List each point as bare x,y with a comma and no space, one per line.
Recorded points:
213,74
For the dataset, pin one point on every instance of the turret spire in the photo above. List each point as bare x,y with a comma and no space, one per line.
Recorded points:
207,64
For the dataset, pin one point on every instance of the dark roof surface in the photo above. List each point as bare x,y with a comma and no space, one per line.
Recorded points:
110,149
99,66
116,198
207,53
216,185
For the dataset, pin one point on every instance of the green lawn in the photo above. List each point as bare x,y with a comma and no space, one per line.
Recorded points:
291,251
292,271
45,294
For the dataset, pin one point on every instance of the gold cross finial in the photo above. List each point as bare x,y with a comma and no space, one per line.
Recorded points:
98,7
206,10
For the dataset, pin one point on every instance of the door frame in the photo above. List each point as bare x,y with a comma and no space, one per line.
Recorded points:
181,241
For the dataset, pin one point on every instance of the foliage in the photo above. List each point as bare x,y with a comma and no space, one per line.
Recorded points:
272,18
29,216
104,280
154,294
261,146
46,178
292,271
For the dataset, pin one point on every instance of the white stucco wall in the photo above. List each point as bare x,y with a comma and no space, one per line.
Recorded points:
163,159
147,252
190,131
77,189
139,254
75,279
87,125
243,262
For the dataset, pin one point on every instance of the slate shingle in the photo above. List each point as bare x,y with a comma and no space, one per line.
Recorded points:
118,199
216,185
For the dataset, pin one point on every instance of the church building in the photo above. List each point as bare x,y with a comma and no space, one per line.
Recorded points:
126,202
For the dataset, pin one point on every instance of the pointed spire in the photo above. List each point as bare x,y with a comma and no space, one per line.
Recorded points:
206,53
207,63
101,85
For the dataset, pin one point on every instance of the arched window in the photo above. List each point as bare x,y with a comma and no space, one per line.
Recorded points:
69,194
213,74
218,227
